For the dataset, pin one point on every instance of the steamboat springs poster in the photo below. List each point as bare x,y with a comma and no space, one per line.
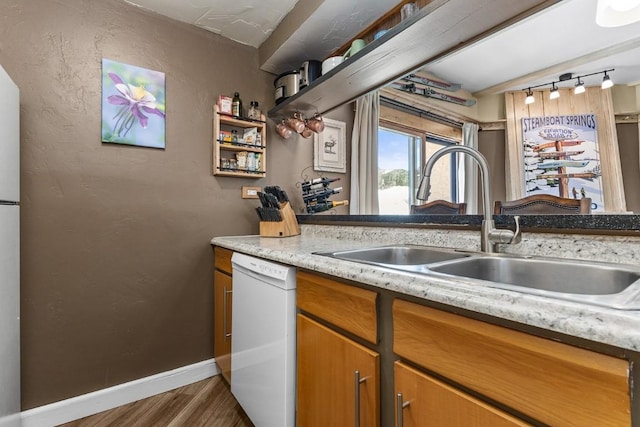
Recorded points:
561,157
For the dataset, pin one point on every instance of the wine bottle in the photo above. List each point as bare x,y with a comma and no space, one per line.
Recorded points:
325,206
322,193
317,183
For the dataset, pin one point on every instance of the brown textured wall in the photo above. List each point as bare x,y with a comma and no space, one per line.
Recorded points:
291,161
116,261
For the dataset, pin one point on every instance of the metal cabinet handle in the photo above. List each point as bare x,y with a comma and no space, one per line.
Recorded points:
225,305
357,383
400,405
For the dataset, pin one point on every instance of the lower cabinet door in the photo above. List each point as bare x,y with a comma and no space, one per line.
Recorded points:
222,322
422,400
337,379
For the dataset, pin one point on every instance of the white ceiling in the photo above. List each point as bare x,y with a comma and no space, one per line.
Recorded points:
563,38
249,22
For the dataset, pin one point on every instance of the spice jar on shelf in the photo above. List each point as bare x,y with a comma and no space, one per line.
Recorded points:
254,112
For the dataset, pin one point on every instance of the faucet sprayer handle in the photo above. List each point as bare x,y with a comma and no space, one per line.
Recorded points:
517,234
506,236
424,188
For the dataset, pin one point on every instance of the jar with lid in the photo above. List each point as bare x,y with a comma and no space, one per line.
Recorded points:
254,112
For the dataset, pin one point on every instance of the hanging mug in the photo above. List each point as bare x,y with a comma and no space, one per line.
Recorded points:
356,46
306,133
316,123
283,130
296,122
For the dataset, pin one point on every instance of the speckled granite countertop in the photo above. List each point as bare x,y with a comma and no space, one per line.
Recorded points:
613,327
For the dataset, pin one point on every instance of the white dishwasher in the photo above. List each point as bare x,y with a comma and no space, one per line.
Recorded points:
263,347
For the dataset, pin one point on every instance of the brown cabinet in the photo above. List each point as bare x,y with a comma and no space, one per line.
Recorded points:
338,379
225,150
552,382
423,401
222,293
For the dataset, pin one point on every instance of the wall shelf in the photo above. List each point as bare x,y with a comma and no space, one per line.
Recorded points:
438,29
224,151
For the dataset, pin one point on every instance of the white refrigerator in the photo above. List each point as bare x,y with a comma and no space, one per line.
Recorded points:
9,252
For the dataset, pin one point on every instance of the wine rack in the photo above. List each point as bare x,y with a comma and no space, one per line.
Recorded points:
316,193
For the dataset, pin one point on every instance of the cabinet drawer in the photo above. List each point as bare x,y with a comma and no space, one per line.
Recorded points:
222,259
555,383
348,307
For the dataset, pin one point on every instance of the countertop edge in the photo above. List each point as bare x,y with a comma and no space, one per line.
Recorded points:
617,328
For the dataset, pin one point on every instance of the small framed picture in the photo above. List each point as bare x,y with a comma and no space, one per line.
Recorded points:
329,147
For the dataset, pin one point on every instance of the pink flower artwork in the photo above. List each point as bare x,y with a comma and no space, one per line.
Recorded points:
133,105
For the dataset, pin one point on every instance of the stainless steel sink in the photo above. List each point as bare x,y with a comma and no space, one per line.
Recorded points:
554,276
398,256
609,285
605,284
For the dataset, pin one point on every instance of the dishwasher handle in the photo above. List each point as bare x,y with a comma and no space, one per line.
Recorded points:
225,313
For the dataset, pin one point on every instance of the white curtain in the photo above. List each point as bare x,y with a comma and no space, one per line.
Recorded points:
364,156
468,170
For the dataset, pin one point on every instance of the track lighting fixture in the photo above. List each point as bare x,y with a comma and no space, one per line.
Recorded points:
529,99
606,81
578,89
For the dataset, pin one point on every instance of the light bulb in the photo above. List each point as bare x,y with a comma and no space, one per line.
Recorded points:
554,94
606,81
529,99
616,13
579,88
623,5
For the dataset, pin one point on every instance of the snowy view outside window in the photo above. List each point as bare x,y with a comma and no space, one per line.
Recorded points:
400,168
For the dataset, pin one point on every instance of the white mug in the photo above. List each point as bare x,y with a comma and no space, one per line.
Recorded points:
330,63
408,10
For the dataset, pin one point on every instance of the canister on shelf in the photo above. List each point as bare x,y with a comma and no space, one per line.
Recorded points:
241,158
251,162
254,112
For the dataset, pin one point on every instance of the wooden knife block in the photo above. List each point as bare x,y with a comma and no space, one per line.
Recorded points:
285,228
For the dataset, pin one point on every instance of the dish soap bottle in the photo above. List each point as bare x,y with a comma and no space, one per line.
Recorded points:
236,105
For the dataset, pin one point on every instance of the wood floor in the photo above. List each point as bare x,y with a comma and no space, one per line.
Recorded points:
206,403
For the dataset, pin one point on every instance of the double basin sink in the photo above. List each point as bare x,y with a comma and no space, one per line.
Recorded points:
604,284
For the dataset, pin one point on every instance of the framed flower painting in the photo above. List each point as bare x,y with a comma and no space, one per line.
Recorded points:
133,105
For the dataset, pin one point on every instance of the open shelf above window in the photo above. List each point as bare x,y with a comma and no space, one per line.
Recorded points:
439,28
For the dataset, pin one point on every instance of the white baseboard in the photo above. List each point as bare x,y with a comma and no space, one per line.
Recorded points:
82,406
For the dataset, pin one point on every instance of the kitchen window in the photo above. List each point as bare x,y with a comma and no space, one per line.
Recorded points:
401,158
